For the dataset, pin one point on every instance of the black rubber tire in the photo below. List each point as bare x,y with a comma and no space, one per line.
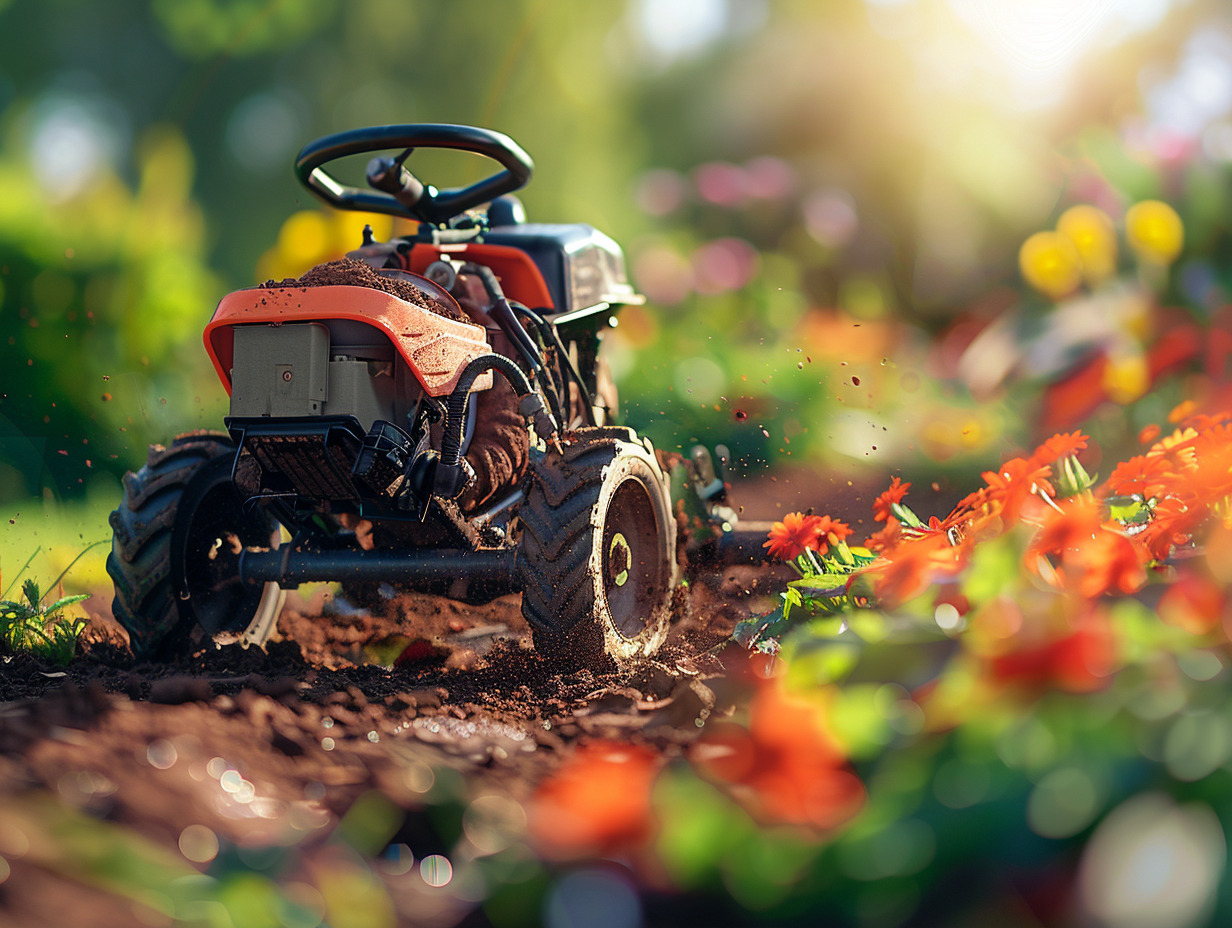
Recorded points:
165,538
596,560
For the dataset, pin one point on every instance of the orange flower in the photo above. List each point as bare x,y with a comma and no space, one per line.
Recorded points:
1182,410
914,566
1211,476
830,532
1173,523
798,533
1015,483
793,536
883,505
786,767
1092,559
886,538
597,802
977,515
1140,476
1059,446
1177,447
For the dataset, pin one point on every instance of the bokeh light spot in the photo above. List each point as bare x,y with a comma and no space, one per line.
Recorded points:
1062,803
436,870
1153,864
198,844
593,898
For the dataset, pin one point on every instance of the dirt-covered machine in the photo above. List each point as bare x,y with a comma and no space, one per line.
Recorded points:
430,413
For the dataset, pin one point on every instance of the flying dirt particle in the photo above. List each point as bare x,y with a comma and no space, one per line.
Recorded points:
936,487
106,377
799,365
855,380
89,463
162,400
874,447
63,452
764,433
106,397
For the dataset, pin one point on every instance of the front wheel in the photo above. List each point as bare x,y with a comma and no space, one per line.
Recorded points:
175,550
596,561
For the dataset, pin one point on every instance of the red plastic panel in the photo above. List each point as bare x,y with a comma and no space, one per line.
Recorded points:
519,278
435,348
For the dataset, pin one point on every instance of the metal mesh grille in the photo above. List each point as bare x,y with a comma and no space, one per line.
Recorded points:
314,468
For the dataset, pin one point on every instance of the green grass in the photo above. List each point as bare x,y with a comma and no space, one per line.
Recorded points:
44,538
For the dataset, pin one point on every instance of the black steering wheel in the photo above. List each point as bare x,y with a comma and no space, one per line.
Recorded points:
400,193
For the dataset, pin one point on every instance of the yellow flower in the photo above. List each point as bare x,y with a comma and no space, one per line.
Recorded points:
305,238
311,237
1091,232
1155,231
1050,263
1127,377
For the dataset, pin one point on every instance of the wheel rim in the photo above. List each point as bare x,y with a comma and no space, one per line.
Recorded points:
633,568
216,534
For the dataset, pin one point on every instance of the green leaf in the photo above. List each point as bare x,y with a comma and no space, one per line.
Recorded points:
749,632
821,584
30,589
66,601
1127,509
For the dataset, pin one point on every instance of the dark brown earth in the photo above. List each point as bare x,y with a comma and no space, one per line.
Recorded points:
353,273
315,721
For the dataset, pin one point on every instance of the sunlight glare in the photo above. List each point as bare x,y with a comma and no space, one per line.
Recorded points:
1041,41
1039,38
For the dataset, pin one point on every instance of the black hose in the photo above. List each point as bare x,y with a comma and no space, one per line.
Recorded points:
555,371
455,411
548,331
502,314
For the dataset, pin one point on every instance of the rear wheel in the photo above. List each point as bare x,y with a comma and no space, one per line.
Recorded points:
596,561
175,550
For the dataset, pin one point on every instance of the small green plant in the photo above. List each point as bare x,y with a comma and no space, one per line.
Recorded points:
44,630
